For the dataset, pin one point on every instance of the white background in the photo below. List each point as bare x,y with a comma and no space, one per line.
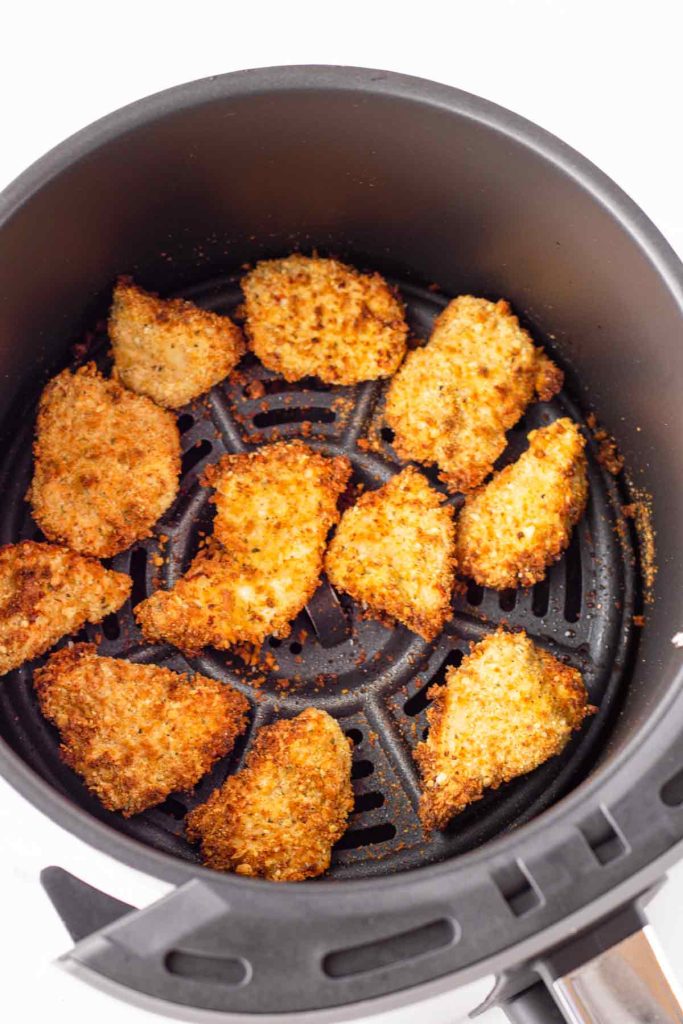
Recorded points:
604,76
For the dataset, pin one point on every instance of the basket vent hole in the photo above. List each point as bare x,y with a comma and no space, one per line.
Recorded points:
541,598
383,953
361,769
111,627
276,386
517,889
603,838
355,735
195,454
200,967
370,836
475,593
138,572
368,802
274,642
296,647
276,417
572,600
185,421
387,434
507,600
420,700
671,792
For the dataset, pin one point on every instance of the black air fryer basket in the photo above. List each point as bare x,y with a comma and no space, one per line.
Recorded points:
541,882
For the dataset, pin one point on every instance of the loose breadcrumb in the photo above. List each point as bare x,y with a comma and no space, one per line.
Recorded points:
453,400
280,816
513,528
394,553
275,507
169,349
310,316
107,463
136,733
508,708
46,592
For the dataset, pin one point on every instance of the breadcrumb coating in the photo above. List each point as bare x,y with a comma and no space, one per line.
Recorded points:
280,816
453,400
46,592
136,733
514,527
275,507
508,708
307,316
107,463
169,349
394,553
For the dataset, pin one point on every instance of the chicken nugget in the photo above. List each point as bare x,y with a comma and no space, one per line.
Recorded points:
310,316
453,400
280,816
107,463
169,349
514,527
508,708
394,553
136,733
275,507
46,592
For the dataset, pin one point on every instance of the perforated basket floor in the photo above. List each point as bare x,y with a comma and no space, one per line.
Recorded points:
372,678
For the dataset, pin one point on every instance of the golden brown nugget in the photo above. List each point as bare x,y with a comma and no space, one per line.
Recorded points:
310,316
514,527
275,508
46,592
508,708
453,400
169,349
280,816
107,463
136,733
394,553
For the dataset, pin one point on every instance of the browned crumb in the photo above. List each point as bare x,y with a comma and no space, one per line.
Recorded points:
169,349
511,529
639,620
107,463
508,708
640,511
453,400
136,733
275,508
608,454
279,817
310,316
393,552
46,592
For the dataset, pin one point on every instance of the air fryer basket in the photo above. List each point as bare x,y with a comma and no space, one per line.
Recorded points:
444,194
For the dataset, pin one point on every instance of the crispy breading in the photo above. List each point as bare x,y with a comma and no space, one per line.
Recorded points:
136,733
280,816
169,349
275,507
514,527
310,316
394,553
46,592
453,400
508,708
107,463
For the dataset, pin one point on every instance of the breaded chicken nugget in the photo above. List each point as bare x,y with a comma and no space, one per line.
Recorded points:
47,591
280,816
508,708
169,349
107,463
275,508
394,553
452,401
136,733
513,528
309,316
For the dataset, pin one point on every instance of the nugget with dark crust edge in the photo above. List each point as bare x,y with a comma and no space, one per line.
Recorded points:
514,527
394,553
136,733
274,508
169,349
453,400
310,316
280,816
107,463
46,592
508,708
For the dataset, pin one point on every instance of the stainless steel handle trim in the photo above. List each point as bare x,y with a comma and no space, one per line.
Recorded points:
631,983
